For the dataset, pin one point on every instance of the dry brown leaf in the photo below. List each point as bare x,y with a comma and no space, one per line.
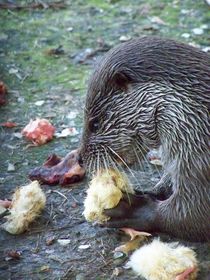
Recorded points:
13,254
3,91
8,124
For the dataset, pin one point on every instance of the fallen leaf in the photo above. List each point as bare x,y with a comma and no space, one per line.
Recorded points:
3,92
13,254
67,132
56,51
8,124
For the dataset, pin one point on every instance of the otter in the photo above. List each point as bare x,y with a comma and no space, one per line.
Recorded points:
148,93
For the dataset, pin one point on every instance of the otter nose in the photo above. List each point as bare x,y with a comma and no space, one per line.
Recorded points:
80,160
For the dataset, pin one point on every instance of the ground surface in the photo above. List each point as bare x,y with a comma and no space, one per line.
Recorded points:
85,29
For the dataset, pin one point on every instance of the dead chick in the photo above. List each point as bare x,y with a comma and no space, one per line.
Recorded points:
105,191
27,203
165,261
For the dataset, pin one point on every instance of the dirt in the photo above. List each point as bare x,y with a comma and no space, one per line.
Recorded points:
47,54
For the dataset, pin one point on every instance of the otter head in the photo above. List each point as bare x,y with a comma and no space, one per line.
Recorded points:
119,124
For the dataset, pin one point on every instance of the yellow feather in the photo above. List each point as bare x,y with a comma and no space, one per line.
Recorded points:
27,203
105,191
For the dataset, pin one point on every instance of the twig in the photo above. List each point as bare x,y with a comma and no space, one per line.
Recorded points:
60,194
74,197
55,229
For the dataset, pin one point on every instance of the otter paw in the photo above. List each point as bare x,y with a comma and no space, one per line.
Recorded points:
134,211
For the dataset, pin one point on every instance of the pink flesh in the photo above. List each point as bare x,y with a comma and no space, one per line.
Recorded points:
59,171
184,275
5,203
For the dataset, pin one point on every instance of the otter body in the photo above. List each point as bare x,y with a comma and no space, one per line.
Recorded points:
149,93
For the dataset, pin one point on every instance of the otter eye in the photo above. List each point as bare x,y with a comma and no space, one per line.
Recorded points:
94,125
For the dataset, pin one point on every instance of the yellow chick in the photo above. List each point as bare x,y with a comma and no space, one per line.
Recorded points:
165,261
105,191
27,203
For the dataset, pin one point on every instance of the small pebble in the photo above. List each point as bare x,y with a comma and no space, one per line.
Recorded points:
117,271
50,241
118,255
206,49
79,277
70,29
124,38
18,135
84,247
186,35
13,71
3,37
197,31
63,242
74,205
39,103
72,115
10,167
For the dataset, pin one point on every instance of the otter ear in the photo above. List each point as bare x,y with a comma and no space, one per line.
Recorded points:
121,81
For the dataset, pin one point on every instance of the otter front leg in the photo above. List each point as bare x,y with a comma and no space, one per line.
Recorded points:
134,211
